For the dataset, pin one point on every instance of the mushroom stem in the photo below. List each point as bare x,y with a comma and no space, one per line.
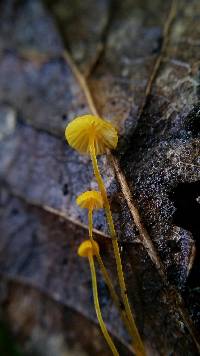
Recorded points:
97,307
138,344
106,276
90,223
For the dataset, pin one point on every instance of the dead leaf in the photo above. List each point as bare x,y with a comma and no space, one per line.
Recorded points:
137,66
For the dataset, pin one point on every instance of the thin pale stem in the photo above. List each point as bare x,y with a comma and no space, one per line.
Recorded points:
97,308
140,351
106,276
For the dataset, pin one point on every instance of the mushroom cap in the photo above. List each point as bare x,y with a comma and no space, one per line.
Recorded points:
90,200
87,248
84,130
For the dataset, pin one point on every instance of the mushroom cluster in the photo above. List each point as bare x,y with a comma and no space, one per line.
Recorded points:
92,135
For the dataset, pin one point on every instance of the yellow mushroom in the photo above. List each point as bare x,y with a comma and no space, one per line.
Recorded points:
90,200
89,130
88,249
93,135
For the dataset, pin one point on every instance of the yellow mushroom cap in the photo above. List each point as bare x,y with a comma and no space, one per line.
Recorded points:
90,200
89,128
87,248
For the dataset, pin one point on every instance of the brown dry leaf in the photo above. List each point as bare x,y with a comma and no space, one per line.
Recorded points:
135,63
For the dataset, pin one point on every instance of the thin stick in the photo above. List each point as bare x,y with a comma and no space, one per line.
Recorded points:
97,308
140,351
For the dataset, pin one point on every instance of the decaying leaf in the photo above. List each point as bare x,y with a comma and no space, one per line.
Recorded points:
135,63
